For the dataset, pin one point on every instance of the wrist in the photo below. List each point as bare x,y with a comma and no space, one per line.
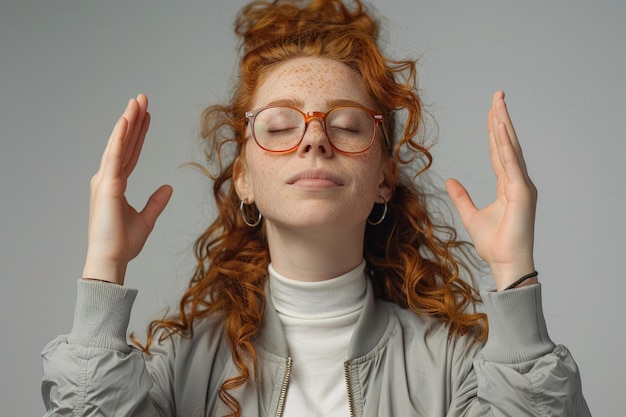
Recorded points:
523,281
105,271
506,276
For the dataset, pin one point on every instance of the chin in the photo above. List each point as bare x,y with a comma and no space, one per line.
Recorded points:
318,222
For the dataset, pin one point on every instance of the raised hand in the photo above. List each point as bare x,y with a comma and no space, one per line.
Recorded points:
502,232
117,232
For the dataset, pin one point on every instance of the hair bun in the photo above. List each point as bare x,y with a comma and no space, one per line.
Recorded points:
263,22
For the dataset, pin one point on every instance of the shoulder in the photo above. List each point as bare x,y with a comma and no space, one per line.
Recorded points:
424,332
206,337
420,349
409,321
188,367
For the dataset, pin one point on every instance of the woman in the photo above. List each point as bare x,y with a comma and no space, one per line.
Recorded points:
323,287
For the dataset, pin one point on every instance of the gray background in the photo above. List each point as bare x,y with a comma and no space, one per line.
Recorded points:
67,68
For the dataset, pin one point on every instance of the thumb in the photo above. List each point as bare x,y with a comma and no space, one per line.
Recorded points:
156,204
461,200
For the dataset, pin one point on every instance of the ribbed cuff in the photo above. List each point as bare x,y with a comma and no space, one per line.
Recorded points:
102,315
517,327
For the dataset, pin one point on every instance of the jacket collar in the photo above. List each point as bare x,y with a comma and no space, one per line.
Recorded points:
368,332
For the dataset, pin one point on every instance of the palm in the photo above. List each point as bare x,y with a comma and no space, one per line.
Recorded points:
502,232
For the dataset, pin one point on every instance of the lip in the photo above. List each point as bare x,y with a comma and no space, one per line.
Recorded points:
316,178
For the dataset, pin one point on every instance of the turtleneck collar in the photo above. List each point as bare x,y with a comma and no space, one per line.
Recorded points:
327,299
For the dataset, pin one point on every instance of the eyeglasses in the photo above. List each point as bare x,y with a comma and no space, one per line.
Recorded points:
349,129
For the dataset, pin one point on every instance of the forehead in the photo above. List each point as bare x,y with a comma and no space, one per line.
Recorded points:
312,82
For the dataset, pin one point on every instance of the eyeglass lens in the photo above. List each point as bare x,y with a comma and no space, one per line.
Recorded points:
349,129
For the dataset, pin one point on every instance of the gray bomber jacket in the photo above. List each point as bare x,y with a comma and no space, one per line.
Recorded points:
400,364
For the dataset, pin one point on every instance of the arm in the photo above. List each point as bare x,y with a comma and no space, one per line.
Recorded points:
92,371
519,371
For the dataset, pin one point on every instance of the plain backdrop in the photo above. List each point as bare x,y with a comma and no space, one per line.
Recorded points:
68,67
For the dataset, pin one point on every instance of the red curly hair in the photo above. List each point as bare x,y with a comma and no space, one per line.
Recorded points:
413,261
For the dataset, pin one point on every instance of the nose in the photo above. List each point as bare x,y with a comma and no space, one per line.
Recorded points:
315,140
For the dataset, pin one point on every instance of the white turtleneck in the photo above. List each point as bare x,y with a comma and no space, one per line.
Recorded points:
318,318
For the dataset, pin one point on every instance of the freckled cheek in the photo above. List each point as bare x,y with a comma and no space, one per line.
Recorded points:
264,178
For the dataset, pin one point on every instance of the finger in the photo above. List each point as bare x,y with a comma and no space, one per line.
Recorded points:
156,204
501,113
505,133
111,159
132,162
461,200
513,167
135,122
494,154
117,134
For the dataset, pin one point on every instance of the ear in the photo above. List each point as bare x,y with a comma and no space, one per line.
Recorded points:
389,175
385,191
241,181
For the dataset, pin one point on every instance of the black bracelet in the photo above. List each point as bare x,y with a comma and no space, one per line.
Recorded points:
522,279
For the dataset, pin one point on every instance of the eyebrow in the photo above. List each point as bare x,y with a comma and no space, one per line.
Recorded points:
342,102
286,102
299,104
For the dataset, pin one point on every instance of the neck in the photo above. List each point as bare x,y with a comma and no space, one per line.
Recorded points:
315,255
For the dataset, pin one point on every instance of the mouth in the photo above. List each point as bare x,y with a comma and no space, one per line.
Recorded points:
316,178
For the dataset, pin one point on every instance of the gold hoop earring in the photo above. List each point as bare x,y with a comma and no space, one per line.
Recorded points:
382,217
244,214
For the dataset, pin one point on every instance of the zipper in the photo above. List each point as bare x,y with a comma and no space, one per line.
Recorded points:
346,366
283,389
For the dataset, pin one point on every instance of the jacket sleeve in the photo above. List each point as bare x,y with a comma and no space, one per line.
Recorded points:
519,371
93,371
